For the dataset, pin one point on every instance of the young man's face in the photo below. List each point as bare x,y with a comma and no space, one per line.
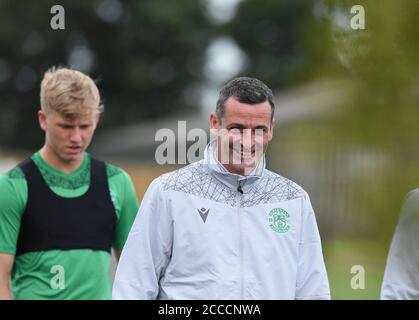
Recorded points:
67,138
244,133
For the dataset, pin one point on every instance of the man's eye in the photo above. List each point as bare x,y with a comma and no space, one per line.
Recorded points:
260,131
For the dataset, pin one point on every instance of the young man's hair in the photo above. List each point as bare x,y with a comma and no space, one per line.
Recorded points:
245,90
69,92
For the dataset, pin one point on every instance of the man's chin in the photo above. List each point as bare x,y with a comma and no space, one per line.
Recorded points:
243,169
247,169
70,157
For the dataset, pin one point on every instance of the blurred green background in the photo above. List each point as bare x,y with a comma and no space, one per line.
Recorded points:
347,113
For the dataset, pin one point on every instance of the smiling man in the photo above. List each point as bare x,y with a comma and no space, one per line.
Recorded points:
61,211
226,227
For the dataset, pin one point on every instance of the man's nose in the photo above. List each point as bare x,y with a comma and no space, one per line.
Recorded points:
247,139
76,135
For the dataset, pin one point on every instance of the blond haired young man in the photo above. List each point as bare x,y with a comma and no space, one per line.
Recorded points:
61,211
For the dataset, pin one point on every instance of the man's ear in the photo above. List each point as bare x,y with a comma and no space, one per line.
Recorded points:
271,130
214,123
42,118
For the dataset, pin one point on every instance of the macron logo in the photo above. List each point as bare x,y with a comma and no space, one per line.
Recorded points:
203,213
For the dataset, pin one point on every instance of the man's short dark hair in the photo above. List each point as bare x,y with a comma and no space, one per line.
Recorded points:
245,90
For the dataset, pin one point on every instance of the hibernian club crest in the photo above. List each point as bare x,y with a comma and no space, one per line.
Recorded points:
279,220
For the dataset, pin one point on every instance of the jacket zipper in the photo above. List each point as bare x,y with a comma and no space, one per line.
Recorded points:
240,190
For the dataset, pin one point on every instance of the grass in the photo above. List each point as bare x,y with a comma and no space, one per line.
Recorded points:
342,255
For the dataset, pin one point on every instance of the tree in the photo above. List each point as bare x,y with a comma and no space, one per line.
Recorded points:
145,55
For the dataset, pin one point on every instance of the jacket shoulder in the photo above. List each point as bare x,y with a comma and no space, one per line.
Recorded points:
185,178
195,180
276,188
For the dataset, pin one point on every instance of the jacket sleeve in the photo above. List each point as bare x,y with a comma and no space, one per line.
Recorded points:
401,276
147,250
312,281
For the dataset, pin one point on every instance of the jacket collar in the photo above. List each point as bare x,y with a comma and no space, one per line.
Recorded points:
232,180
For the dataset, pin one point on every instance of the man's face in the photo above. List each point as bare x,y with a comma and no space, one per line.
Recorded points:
68,137
244,133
